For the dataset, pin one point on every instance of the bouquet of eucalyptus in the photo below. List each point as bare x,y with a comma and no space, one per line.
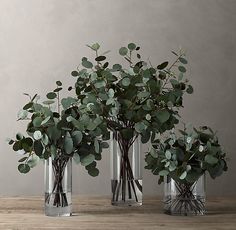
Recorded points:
137,99
56,129
185,159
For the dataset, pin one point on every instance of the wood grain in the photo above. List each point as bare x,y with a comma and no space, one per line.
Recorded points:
92,213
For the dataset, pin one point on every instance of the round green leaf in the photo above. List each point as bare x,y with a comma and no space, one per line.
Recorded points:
59,83
131,46
163,173
125,81
38,148
37,121
182,69
211,159
87,64
183,175
100,58
57,89
9,141
111,93
48,102
45,120
87,160
19,136
153,152
37,135
93,172
168,154
24,168
17,146
33,161
28,106
189,90
117,67
162,65
76,158
148,117
123,51
68,143
96,146
163,115
95,46
183,60
100,84
77,136
45,139
51,95
139,127
22,114
74,73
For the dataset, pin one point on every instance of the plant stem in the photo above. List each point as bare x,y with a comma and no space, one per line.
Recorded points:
125,187
185,203
58,194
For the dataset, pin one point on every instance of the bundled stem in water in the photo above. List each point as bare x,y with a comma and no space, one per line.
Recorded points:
185,202
58,193
126,182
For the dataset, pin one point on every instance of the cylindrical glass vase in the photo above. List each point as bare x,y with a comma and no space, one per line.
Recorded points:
58,186
126,171
184,199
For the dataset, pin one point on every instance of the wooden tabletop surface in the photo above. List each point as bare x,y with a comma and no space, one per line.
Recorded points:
96,213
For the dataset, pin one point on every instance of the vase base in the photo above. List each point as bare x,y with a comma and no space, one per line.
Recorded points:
126,192
127,203
58,204
185,207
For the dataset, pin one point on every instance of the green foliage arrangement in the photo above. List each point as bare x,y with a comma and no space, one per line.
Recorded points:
136,99
187,157
60,133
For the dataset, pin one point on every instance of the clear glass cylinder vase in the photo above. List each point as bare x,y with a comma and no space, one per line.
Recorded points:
58,186
184,199
126,171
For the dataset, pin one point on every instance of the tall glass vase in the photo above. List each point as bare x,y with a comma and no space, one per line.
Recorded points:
184,198
58,186
126,173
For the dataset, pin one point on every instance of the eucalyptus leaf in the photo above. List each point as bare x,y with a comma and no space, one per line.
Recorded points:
125,81
163,116
131,46
68,143
182,69
96,146
51,95
87,160
38,148
76,158
183,60
22,114
163,173
211,159
123,51
87,64
183,175
93,172
24,168
37,135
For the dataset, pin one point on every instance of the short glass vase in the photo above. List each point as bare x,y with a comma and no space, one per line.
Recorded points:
58,186
184,199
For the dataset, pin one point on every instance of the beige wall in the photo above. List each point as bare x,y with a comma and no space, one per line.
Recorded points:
43,40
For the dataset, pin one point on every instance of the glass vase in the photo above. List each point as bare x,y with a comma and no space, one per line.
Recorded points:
184,199
126,173
58,186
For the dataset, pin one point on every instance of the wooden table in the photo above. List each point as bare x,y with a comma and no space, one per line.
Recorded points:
96,213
